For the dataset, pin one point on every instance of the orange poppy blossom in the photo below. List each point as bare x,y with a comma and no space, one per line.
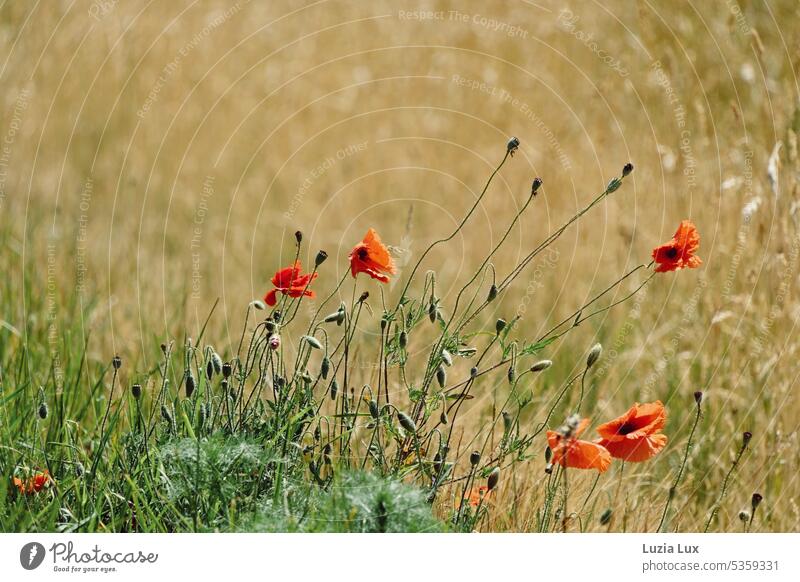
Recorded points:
679,252
569,451
371,256
477,494
636,435
33,484
290,281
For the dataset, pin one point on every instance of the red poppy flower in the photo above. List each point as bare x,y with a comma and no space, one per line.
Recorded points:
33,484
371,256
568,451
290,281
476,495
679,252
636,435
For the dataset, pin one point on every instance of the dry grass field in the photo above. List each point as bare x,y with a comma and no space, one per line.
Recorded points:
157,157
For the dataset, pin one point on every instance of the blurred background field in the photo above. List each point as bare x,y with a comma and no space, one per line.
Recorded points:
158,156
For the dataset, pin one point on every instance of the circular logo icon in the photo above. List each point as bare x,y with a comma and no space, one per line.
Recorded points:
31,555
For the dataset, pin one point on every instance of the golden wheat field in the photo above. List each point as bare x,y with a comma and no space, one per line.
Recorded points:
157,158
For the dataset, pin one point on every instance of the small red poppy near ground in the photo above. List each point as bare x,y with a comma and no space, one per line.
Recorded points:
679,252
636,435
33,484
290,281
371,256
568,451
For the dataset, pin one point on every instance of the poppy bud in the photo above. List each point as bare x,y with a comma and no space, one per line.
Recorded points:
443,417
298,236
500,325
627,169
698,397
403,339
166,415
473,372
492,294
512,145
384,323
494,478
744,516
164,348
432,310
507,422
441,376
313,342
320,258
474,458
756,501
136,391
594,355
548,454
447,358
325,367
201,416
271,326
746,436
227,369
216,361
605,518
541,365
537,183
274,342
406,422
334,389
373,409
512,374
209,369
43,410
364,297
190,384
276,316
116,362
437,463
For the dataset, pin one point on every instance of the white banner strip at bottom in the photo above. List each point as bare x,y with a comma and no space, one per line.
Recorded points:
401,557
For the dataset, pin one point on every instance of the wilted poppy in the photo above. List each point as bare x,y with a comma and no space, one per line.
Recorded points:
290,281
33,484
371,256
636,435
678,253
569,451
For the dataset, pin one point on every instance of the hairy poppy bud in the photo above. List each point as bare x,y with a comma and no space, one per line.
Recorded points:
594,355
136,391
437,463
541,365
473,372
507,422
627,169
320,258
364,297
166,415
190,384
298,236
373,409
274,342
432,311
548,454
746,436
209,369
537,183
512,145
43,410
512,374
492,294
500,325
443,417
258,304
447,358
756,501
406,422
698,397
605,517
227,369
474,458
403,339
325,367
216,361
494,478
116,362
313,342
334,389
441,376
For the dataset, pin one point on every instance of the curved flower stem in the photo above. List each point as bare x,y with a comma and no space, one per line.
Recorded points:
724,490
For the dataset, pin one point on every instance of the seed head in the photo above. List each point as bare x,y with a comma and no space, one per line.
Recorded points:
116,362
541,365
406,422
594,355
494,478
136,391
320,258
474,458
